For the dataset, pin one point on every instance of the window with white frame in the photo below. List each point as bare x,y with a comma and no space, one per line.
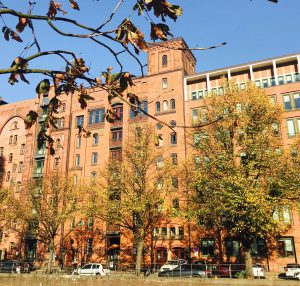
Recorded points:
95,139
165,105
164,83
94,158
284,215
164,60
78,141
77,160
293,126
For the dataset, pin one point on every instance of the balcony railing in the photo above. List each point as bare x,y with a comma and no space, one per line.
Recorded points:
115,143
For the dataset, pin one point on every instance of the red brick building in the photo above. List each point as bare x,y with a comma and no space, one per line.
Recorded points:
172,91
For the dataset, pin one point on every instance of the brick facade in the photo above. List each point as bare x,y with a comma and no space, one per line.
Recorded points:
172,91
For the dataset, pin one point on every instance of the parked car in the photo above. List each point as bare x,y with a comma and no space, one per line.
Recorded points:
291,271
187,270
91,269
171,264
16,266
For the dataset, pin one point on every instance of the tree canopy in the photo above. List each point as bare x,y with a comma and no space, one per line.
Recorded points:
244,173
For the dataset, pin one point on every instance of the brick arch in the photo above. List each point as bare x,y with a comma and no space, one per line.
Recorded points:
10,121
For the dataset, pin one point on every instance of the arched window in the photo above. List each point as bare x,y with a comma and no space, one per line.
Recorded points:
95,139
172,104
165,105
157,106
164,60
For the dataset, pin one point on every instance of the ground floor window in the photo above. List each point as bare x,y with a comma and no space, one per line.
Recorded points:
208,246
285,246
232,247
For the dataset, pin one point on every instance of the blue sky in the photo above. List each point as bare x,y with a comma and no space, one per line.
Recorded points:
253,30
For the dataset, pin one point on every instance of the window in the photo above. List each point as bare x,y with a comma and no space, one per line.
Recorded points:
175,182
157,106
10,139
284,214
94,158
296,97
39,166
258,248
232,247
257,83
79,121
159,161
15,139
194,95
89,247
42,149
174,158
96,115
208,247
77,160
20,169
159,126
288,78
265,82
173,123
164,60
56,162
61,122
63,107
280,80
242,87
10,158
8,176
197,161
75,180
95,139
117,135
173,138
94,174
142,106
164,83
22,150
176,204
138,132
293,126
181,232
90,223
165,105
1,151
172,104
78,141
160,183
58,145
159,140
197,137
287,102
285,246
172,231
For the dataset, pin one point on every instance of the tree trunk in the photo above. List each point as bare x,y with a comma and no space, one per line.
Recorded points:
51,251
248,258
139,255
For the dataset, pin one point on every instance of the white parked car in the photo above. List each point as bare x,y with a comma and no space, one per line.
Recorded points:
258,271
171,264
292,270
91,269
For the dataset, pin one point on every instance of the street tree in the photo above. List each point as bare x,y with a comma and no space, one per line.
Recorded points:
244,174
45,205
131,193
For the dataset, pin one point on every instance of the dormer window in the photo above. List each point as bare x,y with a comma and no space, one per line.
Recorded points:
164,60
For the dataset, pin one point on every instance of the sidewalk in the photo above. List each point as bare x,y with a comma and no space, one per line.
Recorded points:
61,280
